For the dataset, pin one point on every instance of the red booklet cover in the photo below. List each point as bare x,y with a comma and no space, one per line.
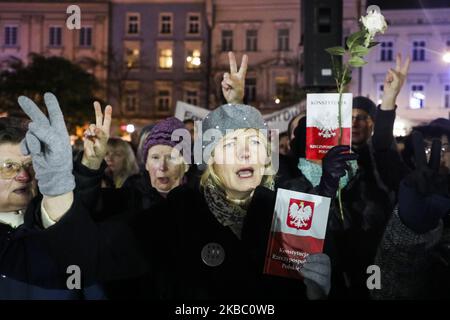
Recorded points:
322,123
298,229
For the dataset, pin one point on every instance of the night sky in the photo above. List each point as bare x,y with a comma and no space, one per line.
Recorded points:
402,4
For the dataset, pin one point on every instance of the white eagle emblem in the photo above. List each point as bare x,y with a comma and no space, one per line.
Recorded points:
327,125
299,215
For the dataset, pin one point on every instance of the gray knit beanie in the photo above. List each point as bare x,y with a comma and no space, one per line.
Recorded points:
228,117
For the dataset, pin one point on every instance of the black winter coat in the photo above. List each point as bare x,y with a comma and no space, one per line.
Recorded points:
171,234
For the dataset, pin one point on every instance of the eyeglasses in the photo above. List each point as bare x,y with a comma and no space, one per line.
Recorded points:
10,169
360,117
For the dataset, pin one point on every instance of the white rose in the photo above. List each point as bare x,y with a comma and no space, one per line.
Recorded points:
374,23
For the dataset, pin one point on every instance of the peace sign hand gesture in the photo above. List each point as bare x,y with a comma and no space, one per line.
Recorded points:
233,83
96,138
393,82
48,143
424,194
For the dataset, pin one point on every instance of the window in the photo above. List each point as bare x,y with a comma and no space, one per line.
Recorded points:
133,23
380,89
11,33
193,60
447,96
191,97
281,87
250,90
283,40
131,96
193,54
86,37
227,40
163,100
165,23
252,40
165,59
55,36
419,51
386,51
193,23
417,97
165,55
132,54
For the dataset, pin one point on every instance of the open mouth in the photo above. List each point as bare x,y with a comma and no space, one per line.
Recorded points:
245,173
21,191
163,180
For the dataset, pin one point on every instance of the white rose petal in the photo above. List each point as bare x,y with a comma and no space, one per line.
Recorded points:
374,22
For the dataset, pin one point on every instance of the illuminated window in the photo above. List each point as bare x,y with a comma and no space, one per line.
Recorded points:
165,55
417,97
193,59
132,54
380,90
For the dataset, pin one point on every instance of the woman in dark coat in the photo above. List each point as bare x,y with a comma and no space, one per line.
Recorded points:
211,242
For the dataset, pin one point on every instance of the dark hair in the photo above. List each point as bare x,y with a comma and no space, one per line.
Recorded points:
290,129
186,121
283,134
12,130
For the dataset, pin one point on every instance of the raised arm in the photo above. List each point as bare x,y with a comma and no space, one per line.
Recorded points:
48,143
233,83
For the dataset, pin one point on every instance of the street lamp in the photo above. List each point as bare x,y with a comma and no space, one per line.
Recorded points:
446,57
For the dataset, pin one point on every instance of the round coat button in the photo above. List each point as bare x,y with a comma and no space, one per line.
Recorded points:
213,254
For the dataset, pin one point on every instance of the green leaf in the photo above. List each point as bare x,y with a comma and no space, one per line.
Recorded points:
359,51
336,51
356,62
373,44
354,37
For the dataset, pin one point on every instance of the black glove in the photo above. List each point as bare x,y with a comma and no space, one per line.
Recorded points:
423,195
334,165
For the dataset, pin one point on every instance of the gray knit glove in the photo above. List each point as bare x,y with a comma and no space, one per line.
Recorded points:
317,276
48,143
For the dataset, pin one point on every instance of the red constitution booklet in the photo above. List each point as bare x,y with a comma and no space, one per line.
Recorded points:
298,229
322,123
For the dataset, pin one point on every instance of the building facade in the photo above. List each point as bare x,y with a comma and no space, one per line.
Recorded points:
40,27
159,54
269,33
424,35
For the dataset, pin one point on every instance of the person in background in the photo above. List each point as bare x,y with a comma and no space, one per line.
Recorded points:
121,163
142,137
414,255
190,126
284,143
36,192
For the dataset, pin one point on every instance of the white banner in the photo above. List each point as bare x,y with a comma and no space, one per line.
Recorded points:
276,120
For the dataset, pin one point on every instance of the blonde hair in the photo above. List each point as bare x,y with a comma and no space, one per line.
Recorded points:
130,166
210,173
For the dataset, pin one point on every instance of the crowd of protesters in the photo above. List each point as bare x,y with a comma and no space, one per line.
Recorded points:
154,224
